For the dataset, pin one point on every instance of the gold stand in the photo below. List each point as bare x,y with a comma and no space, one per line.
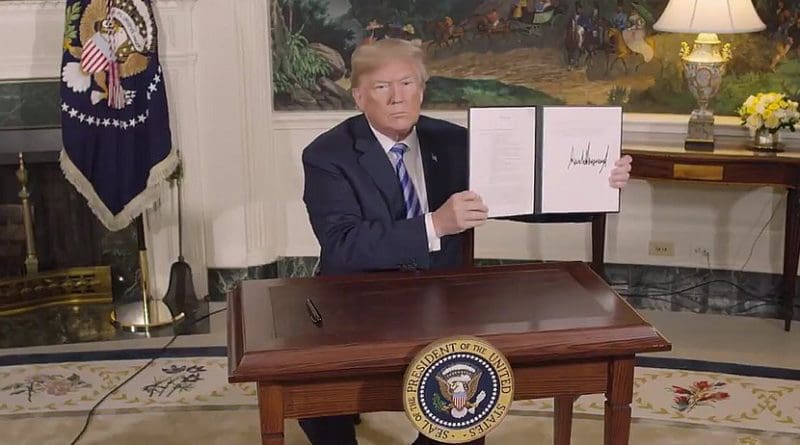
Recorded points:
31,261
36,290
150,312
63,287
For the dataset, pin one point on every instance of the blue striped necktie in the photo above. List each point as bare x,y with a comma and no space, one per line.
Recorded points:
413,207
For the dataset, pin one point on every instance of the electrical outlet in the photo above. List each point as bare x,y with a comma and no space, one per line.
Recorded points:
661,248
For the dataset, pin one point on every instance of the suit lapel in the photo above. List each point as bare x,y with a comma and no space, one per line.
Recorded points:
373,159
432,162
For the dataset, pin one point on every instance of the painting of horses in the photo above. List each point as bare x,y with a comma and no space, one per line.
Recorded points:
523,52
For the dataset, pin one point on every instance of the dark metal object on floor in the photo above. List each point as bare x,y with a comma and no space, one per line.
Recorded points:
180,296
149,312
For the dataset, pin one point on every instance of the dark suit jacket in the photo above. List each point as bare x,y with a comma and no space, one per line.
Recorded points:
355,202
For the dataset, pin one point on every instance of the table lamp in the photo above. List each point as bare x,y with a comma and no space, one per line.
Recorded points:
704,64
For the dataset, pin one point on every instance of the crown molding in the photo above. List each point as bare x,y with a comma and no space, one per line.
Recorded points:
31,4
34,4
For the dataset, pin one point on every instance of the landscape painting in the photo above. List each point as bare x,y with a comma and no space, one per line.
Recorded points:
524,52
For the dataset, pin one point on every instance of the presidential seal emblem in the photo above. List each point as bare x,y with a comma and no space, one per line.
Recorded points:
117,39
457,389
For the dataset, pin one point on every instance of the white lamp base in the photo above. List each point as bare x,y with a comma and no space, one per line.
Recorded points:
704,67
700,134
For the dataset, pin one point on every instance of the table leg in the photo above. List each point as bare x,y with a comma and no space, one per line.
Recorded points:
791,251
270,407
562,428
599,244
618,401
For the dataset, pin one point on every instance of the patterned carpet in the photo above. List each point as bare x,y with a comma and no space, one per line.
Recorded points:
187,400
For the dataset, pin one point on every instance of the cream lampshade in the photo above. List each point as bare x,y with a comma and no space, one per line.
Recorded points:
704,64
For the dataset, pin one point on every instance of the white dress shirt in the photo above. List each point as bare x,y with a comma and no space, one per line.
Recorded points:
413,162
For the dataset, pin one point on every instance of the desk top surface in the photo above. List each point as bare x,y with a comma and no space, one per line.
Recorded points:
376,322
727,148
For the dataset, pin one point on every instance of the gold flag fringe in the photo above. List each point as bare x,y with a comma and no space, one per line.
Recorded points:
141,202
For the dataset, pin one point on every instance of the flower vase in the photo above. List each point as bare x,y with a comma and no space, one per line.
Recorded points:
764,140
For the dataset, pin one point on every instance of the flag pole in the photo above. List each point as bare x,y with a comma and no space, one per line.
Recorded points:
149,312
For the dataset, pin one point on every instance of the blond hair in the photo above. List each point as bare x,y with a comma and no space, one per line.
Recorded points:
371,56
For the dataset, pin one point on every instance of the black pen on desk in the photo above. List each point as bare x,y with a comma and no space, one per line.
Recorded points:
316,318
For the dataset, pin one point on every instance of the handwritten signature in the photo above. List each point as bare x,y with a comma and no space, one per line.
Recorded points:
584,157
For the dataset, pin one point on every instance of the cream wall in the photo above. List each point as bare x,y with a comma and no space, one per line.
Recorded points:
243,182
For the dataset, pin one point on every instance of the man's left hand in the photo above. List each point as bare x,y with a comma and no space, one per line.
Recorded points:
621,172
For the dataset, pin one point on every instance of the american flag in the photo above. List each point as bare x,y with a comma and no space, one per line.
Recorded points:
96,55
460,399
119,168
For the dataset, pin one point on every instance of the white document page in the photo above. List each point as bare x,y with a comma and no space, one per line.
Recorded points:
579,148
502,159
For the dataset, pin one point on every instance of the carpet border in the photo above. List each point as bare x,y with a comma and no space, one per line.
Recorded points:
116,354
222,351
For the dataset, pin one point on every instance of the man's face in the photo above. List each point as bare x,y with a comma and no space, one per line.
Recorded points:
391,97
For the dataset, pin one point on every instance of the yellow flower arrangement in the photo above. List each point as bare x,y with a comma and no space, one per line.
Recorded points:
769,111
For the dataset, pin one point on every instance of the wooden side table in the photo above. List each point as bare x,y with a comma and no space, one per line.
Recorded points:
732,163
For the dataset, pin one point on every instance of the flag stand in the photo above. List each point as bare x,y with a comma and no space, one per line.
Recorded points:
180,295
150,312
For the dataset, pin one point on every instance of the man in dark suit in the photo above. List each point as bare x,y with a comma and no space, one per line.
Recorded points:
387,190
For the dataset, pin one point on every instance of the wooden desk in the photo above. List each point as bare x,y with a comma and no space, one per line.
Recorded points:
732,163
563,330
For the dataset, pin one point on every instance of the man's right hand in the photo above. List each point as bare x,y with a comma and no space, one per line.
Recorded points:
462,211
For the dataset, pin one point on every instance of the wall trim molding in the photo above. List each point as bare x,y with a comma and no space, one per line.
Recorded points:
636,125
31,4
259,161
